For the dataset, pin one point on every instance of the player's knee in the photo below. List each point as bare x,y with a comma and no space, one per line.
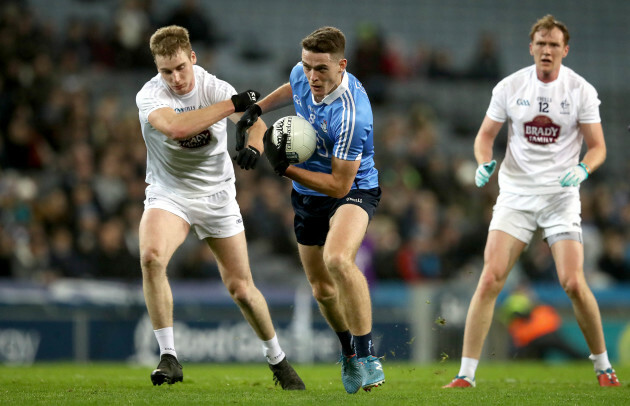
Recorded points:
324,293
572,287
491,282
239,291
337,262
151,262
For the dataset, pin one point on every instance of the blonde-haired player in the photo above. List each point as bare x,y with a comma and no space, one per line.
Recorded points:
183,112
550,111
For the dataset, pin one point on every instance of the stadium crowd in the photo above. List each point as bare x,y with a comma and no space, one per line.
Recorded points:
72,167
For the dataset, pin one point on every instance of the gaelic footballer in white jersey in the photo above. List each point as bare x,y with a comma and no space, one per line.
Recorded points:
198,166
543,129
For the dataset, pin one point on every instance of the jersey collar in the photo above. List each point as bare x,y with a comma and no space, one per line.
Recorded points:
341,89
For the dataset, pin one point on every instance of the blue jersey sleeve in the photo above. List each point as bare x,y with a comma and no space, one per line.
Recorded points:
351,127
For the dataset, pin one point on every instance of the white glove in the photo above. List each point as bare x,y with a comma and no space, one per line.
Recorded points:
484,171
574,176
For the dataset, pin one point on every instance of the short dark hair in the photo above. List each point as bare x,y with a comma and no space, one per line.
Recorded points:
326,40
167,41
548,22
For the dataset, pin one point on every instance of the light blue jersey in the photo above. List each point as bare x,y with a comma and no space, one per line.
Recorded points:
344,125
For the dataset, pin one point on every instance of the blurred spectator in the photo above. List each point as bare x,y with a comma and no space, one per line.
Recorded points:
538,262
112,259
200,264
64,259
534,328
378,61
197,21
440,65
369,55
615,259
486,63
24,148
101,46
6,251
133,26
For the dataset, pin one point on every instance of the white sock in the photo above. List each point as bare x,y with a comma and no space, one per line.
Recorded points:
600,361
166,341
468,367
272,351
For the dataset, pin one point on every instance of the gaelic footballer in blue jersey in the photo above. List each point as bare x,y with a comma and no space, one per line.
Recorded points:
335,193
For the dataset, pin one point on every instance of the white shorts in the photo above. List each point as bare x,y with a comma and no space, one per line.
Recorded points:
217,215
556,214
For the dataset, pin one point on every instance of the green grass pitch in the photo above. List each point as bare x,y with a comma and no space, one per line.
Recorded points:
514,383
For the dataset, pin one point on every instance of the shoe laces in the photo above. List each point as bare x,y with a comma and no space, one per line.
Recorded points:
610,374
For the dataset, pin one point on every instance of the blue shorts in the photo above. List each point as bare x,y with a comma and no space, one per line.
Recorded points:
312,213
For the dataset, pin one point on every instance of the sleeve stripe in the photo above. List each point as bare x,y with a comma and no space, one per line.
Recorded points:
347,126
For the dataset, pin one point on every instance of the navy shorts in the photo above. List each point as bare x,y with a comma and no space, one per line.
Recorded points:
312,213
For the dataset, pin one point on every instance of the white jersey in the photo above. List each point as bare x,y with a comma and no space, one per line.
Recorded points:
543,127
198,166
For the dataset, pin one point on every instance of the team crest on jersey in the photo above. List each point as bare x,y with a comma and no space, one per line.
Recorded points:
564,107
324,127
541,130
200,140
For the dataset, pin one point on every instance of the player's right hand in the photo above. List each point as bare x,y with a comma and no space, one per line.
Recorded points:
484,171
244,100
276,154
247,120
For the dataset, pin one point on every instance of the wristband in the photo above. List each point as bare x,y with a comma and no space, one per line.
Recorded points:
586,168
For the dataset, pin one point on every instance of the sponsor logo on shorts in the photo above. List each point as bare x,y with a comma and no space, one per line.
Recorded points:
354,200
239,221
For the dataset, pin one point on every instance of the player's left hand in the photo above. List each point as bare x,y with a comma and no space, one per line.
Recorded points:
574,176
247,157
245,99
247,120
276,155
483,173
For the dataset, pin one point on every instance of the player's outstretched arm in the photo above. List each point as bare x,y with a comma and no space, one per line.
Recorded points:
188,124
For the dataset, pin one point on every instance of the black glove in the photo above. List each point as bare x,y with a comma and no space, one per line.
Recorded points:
247,120
243,100
276,155
247,158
